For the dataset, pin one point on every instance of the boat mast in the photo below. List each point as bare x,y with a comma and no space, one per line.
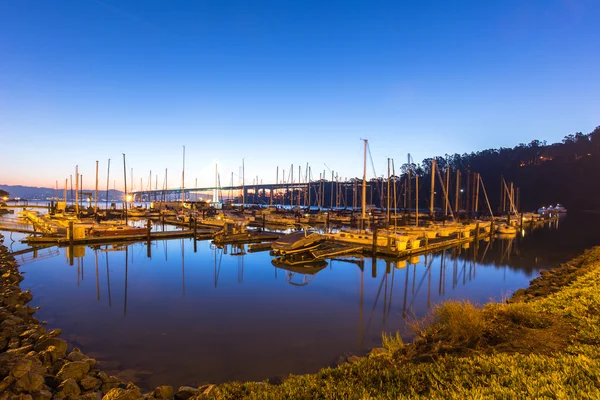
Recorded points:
125,184
416,199
96,194
77,190
243,185
388,195
364,188
432,198
183,179
107,183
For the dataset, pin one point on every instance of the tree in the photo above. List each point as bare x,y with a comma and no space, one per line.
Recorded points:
3,194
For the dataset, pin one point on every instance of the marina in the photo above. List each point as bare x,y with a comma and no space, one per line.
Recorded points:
235,304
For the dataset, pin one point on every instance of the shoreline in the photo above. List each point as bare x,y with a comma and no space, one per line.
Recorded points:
34,362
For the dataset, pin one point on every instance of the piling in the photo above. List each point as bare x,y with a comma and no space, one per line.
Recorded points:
71,233
195,234
521,221
374,241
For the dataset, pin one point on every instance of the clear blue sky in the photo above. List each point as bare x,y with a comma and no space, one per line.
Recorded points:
284,82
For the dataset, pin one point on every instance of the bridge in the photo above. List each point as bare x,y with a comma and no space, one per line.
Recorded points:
229,191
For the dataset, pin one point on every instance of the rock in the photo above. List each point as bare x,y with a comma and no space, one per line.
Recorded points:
22,396
30,382
185,392
68,389
90,383
26,296
5,383
353,359
51,334
6,395
42,395
91,362
20,350
110,383
60,346
75,370
76,355
14,343
91,396
21,368
163,392
122,394
103,376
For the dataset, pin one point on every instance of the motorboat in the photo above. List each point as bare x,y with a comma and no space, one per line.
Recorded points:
116,230
505,229
298,241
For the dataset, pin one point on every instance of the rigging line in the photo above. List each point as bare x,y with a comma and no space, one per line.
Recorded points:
371,158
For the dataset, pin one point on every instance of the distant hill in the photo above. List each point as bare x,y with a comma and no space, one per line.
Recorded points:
42,193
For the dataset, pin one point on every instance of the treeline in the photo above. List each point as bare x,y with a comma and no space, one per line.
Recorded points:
541,175
567,173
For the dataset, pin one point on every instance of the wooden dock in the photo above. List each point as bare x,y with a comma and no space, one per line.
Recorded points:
141,237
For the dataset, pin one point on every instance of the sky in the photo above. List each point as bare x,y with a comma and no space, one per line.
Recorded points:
282,83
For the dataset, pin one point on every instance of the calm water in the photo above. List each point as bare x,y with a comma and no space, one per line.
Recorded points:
169,315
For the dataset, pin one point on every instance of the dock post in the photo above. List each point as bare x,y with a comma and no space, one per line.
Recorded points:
374,242
71,243
148,227
521,220
477,232
195,233
71,233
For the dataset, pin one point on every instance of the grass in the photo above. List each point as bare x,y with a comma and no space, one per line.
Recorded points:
545,347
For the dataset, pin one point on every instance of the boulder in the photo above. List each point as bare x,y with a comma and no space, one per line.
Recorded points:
91,396
42,395
21,368
76,355
51,334
22,396
91,362
110,383
75,370
185,392
21,350
60,346
68,389
5,383
163,392
30,382
90,383
122,394
14,343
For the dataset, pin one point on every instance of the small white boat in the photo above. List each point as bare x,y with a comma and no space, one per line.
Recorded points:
505,229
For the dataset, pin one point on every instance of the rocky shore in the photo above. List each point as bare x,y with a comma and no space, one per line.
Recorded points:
36,364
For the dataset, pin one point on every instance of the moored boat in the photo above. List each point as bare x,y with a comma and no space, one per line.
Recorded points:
116,230
295,242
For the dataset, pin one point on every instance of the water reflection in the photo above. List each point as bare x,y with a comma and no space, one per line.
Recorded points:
185,312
